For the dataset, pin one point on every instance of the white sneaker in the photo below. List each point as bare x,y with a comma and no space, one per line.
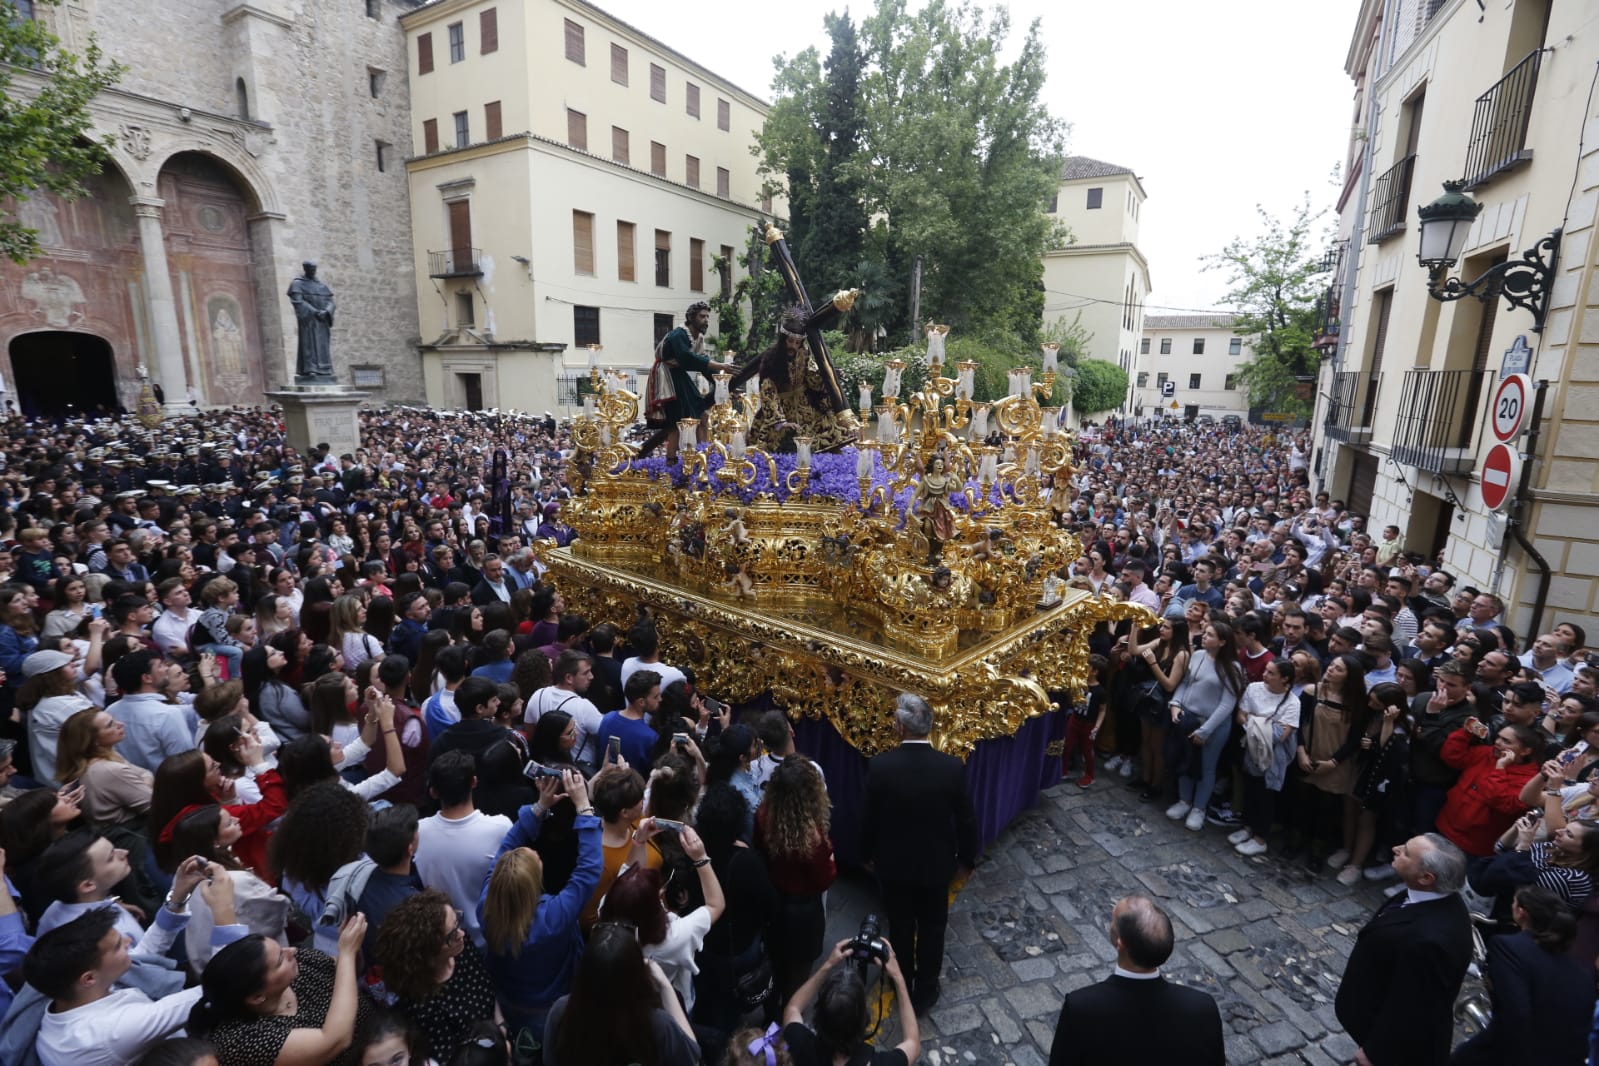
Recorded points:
1196,820
1179,810
1238,837
1126,768
1252,846
1380,873
1337,858
1349,875
1113,763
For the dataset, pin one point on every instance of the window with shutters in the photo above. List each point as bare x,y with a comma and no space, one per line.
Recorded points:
658,159
691,171
724,115
492,126
463,129
488,31
1199,345
1165,346
663,259
691,99
424,53
577,129
585,325
724,183
618,64
657,83
724,267
583,243
457,41
696,264
430,135
619,146
624,252
574,43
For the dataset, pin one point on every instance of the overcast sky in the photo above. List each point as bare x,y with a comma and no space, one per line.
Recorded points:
1216,106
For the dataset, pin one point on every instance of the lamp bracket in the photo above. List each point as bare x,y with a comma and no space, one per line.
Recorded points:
1525,282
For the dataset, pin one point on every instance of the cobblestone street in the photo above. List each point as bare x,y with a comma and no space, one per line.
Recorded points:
1265,937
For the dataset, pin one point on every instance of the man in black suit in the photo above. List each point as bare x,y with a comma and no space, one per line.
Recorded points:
919,830
1398,994
1136,1015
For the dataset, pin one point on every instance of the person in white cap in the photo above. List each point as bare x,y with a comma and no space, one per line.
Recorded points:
49,697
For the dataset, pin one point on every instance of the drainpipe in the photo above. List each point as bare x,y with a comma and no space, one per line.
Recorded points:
1545,575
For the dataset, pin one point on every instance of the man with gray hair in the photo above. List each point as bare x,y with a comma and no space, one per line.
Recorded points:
1398,993
918,831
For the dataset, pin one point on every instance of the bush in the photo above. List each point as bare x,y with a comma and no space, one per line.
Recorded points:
1100,386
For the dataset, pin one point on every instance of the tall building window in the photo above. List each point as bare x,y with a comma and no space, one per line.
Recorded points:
1193,381
1054,203
583,243
1143,379
424,53
766,202
374,81
241,98
663,259
657,83
696,264
724,115
724,183
1199,345
1143,346
658,159
1160,379
618,64
430,135
585,325
577,129
1231,383
465,312
1235,346
663,326
1096,199
1165,346
383,156
691,99
620,152
724,268
574,43
488,31
493,125
624,252
691,171
374,8
463,130
457,42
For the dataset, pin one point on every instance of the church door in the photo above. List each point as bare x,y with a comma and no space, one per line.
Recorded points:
58,372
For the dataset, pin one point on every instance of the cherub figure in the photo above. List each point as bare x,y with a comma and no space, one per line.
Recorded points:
733,529
738,579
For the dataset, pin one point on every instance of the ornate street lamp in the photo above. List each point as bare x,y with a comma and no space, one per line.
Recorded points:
1525,282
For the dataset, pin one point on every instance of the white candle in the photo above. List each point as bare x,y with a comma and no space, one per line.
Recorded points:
721,388
1032,459
688,433
891,375
885,425
866,397
588,405
980,421
594,357
863,462
967,381
989,467
737,447
802,450
1051,353
752,387
935,346
1047,420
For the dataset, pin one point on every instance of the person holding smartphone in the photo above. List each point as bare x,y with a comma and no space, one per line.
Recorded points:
628,729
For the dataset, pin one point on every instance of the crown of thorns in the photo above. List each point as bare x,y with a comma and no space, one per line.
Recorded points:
792,321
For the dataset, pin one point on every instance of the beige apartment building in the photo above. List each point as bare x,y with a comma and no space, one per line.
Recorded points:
573,181
1100,279
1493,96
1199,357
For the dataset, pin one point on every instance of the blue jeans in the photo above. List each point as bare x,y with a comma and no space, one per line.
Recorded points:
1198,793
233,653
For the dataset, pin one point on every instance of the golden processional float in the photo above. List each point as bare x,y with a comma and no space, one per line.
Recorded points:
926,560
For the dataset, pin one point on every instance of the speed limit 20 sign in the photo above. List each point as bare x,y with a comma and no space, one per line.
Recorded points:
1509,408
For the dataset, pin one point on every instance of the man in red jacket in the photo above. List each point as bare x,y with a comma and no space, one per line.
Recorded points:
1487,798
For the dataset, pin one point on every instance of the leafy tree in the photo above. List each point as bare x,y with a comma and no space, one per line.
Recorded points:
761,288
44,120
834,233
1100,386
1274,285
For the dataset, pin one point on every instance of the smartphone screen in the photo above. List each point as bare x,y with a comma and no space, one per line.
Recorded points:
613,749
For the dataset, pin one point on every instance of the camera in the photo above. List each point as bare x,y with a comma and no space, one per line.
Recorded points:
868,945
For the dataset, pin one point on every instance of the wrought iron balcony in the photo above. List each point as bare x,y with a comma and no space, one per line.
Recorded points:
1499,124
455,263
1390,196
1353,401
1439,419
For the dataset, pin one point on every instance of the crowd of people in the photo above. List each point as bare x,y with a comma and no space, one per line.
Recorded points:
305,762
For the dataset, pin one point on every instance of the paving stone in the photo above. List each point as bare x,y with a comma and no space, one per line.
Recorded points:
957,1018
1038,969
1277,1038
1034,1001
1227,941
1000,1021
1042,1032
1339,1046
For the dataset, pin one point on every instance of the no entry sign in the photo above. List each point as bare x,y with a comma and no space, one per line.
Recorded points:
1500,471
1509,410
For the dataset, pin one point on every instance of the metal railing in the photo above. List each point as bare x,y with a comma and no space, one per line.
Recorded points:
1499,123
572,385
1439,415
1353,401
455,263
1390,196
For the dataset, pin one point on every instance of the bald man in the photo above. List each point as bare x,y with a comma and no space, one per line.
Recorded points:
1108,1024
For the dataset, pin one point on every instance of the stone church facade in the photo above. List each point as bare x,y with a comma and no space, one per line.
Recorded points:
249,137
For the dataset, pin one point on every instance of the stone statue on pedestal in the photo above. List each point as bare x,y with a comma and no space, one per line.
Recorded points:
313,308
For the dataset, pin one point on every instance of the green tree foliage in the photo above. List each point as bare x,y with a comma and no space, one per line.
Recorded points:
957,157
834,238
1099,386
44,120
1275,278
761,288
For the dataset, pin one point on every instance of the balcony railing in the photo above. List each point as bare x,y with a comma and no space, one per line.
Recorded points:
1389,199
455,263
1354,399
1499,124
1439,419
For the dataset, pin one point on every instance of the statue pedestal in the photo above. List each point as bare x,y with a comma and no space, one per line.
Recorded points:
325,414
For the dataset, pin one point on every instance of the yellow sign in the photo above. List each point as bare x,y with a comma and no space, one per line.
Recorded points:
1277,416
1175,405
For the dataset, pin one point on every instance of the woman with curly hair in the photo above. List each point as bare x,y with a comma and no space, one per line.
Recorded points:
791,830
433,970
323,829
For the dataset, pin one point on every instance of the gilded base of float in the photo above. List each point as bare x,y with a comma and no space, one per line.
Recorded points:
819,659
